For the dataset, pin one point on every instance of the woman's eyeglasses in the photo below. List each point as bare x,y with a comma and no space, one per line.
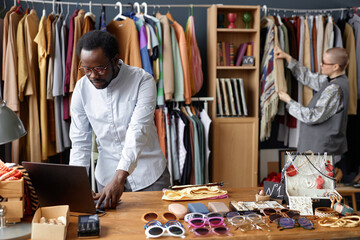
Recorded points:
155,229
100,70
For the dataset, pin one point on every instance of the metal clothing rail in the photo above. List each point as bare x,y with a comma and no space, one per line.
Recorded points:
114,4
265,9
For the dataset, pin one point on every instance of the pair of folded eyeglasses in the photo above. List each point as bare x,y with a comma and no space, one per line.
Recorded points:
247,222
287,218
155,229
204,224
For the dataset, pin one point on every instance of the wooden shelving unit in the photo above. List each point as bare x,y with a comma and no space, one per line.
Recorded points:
234,139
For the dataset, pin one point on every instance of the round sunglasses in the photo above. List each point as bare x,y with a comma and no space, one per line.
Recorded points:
154,229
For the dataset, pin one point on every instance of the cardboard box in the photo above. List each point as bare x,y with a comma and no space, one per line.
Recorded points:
41,231
12,188
13,193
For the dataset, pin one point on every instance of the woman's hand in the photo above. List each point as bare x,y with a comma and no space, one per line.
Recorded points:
280,54
284,96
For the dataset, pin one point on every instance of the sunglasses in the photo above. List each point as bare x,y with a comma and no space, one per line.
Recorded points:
270,211
190,216
155,229
202,231
242,223
288,223
166,216
201,222
258,221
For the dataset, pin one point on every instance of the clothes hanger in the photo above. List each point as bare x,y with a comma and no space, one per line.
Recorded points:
122,17
144,4
4,9
188,110
44,11
137,6
169,16
89,13
53,8
67,14
19,9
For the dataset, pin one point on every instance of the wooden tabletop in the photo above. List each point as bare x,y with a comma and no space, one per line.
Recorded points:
125,222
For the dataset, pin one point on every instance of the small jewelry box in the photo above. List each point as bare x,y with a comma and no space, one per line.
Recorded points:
197,208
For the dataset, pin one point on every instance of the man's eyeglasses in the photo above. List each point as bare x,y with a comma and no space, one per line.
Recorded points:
100,70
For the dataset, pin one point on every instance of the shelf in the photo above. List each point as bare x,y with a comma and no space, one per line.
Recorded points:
236,30
236,67
243,119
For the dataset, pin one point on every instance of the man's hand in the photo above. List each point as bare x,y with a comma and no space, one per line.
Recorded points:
112,192
280,54
284,96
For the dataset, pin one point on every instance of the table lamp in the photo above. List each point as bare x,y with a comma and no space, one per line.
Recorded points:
11,127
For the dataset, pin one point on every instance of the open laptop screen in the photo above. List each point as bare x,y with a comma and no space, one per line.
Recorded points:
58,184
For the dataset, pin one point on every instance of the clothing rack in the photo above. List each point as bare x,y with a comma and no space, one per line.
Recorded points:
201,99
115,5
265,9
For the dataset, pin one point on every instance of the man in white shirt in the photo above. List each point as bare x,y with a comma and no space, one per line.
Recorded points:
117,102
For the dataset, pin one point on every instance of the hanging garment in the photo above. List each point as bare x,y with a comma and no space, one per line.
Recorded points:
167,89
78,25
174,150
10,76
328,35
314,44
196,74
354,22
180,36
5,39
349,43
337,37
159,63
181,150
31,26
307,92
47,149
88,25
153,37
128,40
65,124
187,169
178,72
23,74
268,97
206,121
160,128
144,54
102,22
320,40
50,34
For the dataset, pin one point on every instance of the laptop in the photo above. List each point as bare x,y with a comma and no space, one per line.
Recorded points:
59,184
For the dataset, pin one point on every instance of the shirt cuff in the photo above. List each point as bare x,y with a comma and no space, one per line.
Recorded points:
126,166
291,64
289,104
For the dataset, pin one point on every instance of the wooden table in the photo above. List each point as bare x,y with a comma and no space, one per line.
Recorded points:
348,191
125,222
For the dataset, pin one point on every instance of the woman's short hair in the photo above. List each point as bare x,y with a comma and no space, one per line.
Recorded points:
339,56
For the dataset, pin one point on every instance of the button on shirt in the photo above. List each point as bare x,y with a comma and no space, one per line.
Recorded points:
122,117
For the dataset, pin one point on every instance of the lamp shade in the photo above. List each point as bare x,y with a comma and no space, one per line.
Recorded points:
11,127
